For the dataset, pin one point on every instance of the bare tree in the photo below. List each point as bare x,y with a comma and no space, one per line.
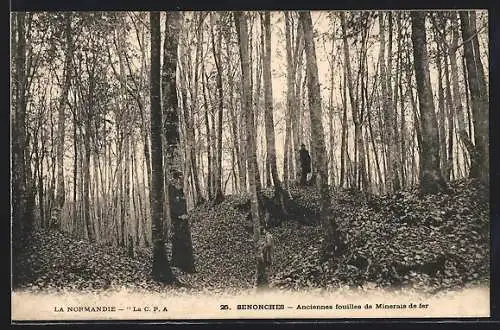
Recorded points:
431,178
182,248
63,100
317,134
240,19
217,50
479,96
161,267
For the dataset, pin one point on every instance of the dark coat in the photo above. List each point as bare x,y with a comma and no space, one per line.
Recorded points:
305,160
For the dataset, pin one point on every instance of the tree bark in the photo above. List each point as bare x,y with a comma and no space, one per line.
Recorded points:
262,278
331,108
208,131
344,137
290,92
161,267
268,109
479,96
457,99
357,113
385,72
232,109
60,191
431,179
216,50
86,179
391,115
297,113
182,248
19,134
451,121
317,134
441,111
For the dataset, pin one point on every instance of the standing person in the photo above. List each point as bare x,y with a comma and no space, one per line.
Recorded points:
305,164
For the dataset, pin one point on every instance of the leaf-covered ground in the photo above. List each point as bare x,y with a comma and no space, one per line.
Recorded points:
430,243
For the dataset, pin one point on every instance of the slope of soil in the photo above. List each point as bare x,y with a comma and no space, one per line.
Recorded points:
432,243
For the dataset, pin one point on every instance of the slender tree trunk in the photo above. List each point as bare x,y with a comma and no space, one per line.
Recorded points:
331,154
357,115
19,189
39,159
190,136
479,96
297,114
343,143
391,114
268,99
431,179
86,182
441,112
317,134
449,173
457,99
262,278
161,268
402,129
350,86
256,97
217,49
290,101
243,146
60,193
391,180
331,108
234,120
182,248
81,223
377,161
208,132
75,166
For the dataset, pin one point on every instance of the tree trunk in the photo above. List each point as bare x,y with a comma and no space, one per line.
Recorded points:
290,95
457,99
75,166
86,180
208,131
60,193
441,111
479,96
234,120
431,179
357,115
189,136
385,74
344,138
19,192
161,268
390,115
217,49
317,134
182,248
39,168
331,155
268,110
297,113
262,278
451,121
402,131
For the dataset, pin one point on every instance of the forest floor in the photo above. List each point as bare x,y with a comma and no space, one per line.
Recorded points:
431,243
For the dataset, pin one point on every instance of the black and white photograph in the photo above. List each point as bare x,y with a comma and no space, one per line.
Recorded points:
177,165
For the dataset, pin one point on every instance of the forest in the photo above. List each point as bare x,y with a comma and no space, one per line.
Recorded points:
163,149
